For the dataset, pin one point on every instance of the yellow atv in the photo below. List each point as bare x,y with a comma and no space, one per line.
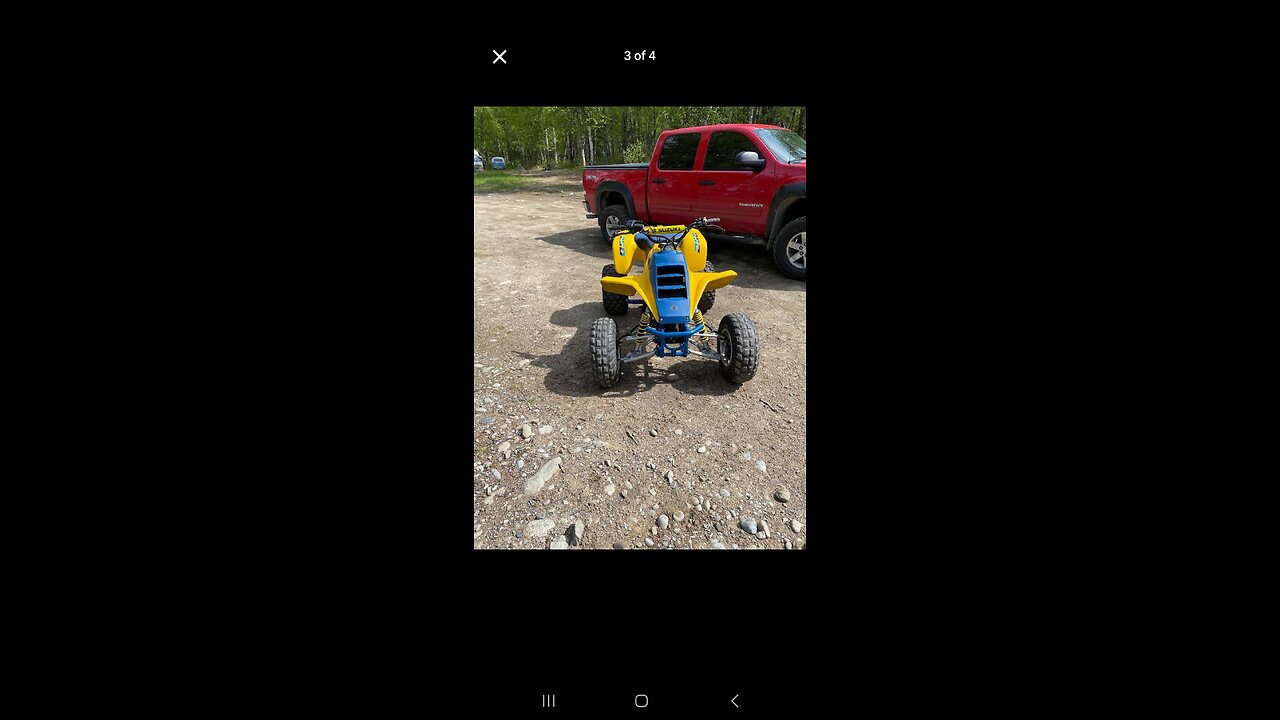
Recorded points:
675,286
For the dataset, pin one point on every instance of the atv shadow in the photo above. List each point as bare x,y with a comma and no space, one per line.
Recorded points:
570,373
753,263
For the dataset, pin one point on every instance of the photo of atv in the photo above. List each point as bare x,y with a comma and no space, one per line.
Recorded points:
676,286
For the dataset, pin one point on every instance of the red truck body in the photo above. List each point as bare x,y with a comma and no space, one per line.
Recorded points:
701,171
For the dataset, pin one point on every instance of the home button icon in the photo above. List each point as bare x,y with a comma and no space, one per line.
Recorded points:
646,701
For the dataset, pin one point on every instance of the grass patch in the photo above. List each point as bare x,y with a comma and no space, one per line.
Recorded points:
498,180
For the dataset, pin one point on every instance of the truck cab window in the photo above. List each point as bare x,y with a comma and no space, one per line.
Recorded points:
724,148
678,152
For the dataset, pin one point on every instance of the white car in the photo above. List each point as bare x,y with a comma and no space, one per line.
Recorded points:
477,163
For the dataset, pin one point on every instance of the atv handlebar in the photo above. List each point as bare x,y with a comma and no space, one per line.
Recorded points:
635,227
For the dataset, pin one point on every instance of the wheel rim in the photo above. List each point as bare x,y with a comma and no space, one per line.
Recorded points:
796,250
612,222
726,348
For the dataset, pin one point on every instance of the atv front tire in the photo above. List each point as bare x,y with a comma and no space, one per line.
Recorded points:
604,352
614,303
709,296
739,348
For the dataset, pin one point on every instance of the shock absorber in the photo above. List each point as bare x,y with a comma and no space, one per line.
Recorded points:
645,317
699,320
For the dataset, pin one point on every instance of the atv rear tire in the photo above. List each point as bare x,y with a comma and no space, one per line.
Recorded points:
614,303
789,249
739,348
708,296
611,218
604,352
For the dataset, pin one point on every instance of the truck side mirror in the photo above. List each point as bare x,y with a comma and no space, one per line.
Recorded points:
749,159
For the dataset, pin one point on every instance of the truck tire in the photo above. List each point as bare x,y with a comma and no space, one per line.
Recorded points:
614,215
614,303
709,296
789,250
604,352
739,348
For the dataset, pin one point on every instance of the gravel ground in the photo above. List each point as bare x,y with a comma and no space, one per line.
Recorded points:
673,456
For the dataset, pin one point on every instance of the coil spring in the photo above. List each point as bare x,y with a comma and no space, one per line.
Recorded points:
645,317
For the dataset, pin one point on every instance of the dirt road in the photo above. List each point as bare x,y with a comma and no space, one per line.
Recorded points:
722,453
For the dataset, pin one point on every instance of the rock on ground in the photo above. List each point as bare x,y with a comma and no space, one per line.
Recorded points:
559,544
574,533
539,528
782,495
749,525
535,483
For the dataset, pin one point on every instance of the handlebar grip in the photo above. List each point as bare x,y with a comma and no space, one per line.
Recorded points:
711,220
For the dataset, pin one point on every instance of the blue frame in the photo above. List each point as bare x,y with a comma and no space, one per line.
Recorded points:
670,309
664,336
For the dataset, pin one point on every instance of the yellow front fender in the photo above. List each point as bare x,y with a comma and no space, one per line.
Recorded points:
631,285
700,282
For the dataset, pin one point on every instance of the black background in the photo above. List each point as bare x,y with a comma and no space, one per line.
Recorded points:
296,339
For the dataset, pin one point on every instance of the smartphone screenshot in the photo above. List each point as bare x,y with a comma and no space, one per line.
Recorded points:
639,267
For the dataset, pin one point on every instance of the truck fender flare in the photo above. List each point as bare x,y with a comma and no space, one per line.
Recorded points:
782,199
615,186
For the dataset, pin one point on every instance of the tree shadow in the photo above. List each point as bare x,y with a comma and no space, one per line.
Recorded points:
569,371
753,263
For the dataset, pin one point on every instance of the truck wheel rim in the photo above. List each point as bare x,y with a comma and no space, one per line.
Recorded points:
613,222
795,250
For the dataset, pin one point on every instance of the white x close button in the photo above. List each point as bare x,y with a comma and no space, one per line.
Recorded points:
499,54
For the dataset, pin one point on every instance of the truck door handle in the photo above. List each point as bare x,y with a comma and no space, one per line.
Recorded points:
659,181
706,182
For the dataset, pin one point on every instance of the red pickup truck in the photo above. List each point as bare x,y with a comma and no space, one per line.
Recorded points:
752,177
